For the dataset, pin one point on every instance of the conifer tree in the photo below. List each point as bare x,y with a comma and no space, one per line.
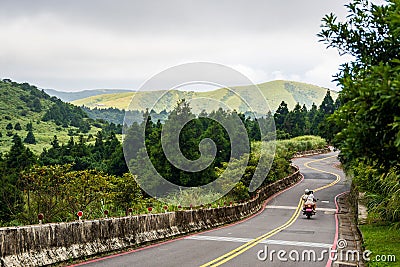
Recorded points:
30,138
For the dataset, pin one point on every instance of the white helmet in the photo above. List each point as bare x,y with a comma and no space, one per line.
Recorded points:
306,191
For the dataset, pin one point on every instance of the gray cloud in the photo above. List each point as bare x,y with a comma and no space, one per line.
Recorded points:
71,45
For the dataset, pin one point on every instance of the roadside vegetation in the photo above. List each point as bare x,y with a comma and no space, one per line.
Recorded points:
303,143
369,117
59,191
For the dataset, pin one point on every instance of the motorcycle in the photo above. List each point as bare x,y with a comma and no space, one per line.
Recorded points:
308,210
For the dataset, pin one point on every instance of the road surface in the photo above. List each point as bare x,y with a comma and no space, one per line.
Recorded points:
280,227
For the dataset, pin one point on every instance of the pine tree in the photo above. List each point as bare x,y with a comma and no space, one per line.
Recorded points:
255,132
217,133
71,142
9,126
313,122
18,126
133,141
99,145
280,115
327,106
37,106
19,157
295,121
30,138
116,165
55,143
29,126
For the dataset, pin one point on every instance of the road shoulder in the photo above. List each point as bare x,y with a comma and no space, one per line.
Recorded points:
349,232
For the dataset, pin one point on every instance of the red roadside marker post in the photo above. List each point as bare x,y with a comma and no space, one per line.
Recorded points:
40,217
79,214
130,210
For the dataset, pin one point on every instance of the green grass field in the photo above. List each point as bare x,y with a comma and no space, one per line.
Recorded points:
44,133
383,241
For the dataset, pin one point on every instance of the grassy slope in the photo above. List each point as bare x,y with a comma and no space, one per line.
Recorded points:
275,92
71,96
381,240
12,106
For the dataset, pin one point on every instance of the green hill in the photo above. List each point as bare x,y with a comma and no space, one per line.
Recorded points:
275,92
71,96
23,104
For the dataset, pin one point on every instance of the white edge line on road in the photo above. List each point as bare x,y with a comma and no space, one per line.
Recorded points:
293,208
268,241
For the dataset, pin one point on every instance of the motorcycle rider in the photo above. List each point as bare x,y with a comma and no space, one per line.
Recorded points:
309,198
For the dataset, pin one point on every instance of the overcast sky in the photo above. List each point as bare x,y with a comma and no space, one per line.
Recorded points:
75,45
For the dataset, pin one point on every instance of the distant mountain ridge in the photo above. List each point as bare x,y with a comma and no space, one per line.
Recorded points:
71,96
275,92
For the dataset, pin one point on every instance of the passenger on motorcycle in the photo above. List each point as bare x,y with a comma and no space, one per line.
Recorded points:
309,198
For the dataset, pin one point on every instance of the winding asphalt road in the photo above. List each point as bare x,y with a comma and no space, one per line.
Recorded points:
280,226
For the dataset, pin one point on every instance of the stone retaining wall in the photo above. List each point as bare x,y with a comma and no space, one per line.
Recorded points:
38,245
348,229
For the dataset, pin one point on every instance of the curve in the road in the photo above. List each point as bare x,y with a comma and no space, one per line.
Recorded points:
236,252
281,221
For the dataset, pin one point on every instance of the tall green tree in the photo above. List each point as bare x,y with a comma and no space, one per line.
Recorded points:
133,141
127,193
326,128
29,126
30,138
16,160
327,106
44,187
55,144
368,117
18,126
36,105
280,115
295,121
19,157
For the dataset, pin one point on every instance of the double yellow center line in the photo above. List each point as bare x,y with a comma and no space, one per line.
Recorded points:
237,251
319,170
